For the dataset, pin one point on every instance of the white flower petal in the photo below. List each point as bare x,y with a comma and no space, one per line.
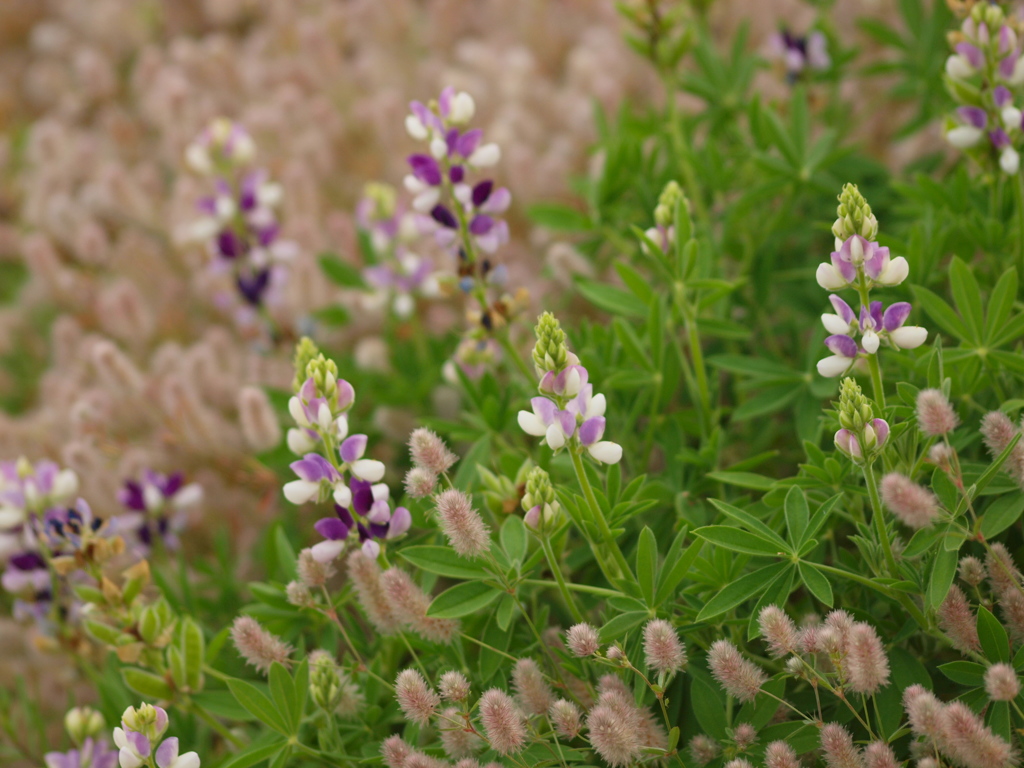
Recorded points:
531,424
299,442
298,414
835,325
128,759
895,273
188,760
554,436
369,470
342,495
828,278
964,136
870,342
325,551
909,336
415,128
189,496
596,406
606,452
301,491
833,365
488,154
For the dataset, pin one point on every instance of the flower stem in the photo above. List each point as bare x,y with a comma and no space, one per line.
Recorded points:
556,569
1018,190
597,514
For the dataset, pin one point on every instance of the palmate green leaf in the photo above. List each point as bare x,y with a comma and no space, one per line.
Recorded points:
797,515
707,703
816,582
443,561
998,719
737,591
994,641
943,570
462,600
257,703
739,540
967,296
647,564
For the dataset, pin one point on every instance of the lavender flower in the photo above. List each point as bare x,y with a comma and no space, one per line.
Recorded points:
856,256
157,505
92,753
139,740
367,513
800,54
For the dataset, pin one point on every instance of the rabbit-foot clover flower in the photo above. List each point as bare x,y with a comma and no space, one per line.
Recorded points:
139,740
985,65
860,435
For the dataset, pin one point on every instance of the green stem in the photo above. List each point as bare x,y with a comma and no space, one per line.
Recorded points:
597,514
876,380
210,720
1019,195
515,357
878,519
574,586
556,569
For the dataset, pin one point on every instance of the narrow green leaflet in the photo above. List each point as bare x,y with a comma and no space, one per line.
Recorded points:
462,600
737,591
647,564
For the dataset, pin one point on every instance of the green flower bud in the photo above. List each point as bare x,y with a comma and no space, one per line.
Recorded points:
854,408
854,216
550,353
324,373
83,723
538,489
671,196
324,681
383,198
148,720
305,352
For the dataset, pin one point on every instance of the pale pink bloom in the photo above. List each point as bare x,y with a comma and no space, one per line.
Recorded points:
429,452
395,752
744,735
935,414
958,621
866,664
365,574
503,723
704,749
740,678
662,647
409,604
582,640
914,505
454,686
971,570
997,431
1001,682
257,646
465,529
1002,571
969,742
839,749
420,483
532,691
259,422
877,754
1011,605
779,631
611,737
417,700
566,718
779,754
924,712
739,762
312,573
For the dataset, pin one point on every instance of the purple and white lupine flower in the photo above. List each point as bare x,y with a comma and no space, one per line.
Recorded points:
876,433
843,321
158,506
28,489
844,354
316,416
971,129
799,54
222,144
875,326
857,256
93,753
409,276
368,513
139,741
581,419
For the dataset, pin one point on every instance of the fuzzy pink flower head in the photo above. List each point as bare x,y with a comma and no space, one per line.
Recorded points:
454,686
395,752
744,735
532,691
739,762
663,650
704,749
312,573
417,700
1001,682
739,677
420,483
997,431
935,414
503,723
879,755
465,529
914,505
924,712
257,646
970,743
582,640
457,740
779,754
779,631
566,719
971,570
612,738
429,452
958,621
866,663
839,749
1002,571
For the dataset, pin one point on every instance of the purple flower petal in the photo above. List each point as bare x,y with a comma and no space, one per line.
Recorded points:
401,521
972,53
876,260
842,309
896,315
353,448
138,742
481,192
592,430
1008,65
362,496
444,217
881,427
469,141
331,528
456,173
313,468
444,101
999,138
229,245
167,753
345,516
975,116
846,270
426,169
544,408
567,419
481,224
1002,97
842,345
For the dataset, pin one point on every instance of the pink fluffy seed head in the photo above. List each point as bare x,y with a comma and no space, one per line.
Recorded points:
971,571
866,663
566,719
879,755
260,648
429,452
839,749
582,640
704,749
503,723
663,650
420,483
924,712
1001,682
414,696
779,631
465,529
395,752
454,686
739,677
957,620
935,414
914,505
532,691
312,573
969,742
779,754
611,737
